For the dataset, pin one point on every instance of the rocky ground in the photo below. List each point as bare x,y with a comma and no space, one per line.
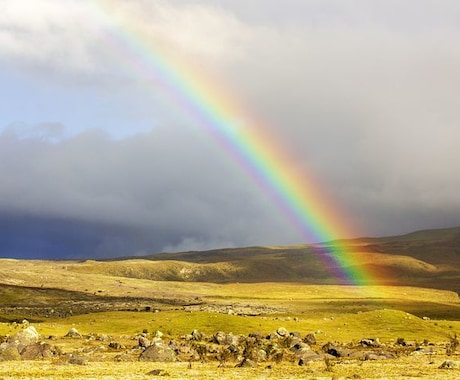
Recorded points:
254,351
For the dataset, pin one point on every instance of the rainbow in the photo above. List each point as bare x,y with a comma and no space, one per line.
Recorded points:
295,191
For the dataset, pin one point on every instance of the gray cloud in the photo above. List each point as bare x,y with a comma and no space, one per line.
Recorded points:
161,189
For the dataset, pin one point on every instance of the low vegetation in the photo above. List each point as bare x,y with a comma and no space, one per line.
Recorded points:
243,319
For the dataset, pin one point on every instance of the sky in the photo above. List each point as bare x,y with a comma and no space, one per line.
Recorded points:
99,159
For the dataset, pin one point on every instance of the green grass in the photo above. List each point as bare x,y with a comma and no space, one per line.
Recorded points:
386,325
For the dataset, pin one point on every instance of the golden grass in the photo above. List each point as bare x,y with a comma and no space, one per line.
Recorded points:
412,367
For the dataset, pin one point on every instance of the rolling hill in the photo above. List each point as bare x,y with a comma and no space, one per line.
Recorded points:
429,258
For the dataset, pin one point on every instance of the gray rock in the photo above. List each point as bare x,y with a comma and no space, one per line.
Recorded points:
24,338
310,339
196,335
159,352
9,353
39,350
449,364
378,356
219,337
247,363
282,331
73,333
259,355
78,360
143,342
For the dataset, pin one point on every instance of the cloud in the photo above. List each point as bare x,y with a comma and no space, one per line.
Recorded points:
363,94
145,193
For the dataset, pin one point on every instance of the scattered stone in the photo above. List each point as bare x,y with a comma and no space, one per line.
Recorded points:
310,339
73,333
282,331
259,355
123,358
38,351
24,338
158,352
10,353
103,338
196,335
449,364
219,337
401,342
378,356
158,372
143,342
370,342
116,346
247,363
78,360
331,349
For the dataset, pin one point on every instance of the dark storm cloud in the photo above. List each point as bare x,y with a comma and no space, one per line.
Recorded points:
91,195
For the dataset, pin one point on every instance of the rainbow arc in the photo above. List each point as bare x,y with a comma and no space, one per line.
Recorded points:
296,192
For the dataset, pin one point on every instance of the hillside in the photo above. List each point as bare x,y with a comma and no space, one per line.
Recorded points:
423,258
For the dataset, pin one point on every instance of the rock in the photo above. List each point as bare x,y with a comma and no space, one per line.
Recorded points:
219,337
38,351
9,353
369,342
282,331
73,333
78,360
331,349
158,372
225,339
259,355
103,338
24,338
449,364
143,342
196,335
300,348
378,356
123,358
159,352
116,346
401,342
247,363
310,339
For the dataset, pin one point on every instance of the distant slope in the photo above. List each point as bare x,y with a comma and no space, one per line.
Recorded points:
423,258
437,246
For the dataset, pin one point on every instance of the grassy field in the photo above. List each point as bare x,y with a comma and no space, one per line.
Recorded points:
241,291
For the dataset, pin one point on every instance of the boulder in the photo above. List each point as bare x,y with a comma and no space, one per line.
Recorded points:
78,360
9,353
73,333
159,352
39,350
143,342
383,355
449,364
24,338
310,339
196,335
247,363
282,331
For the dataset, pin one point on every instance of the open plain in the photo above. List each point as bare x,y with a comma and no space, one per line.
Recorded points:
236,314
